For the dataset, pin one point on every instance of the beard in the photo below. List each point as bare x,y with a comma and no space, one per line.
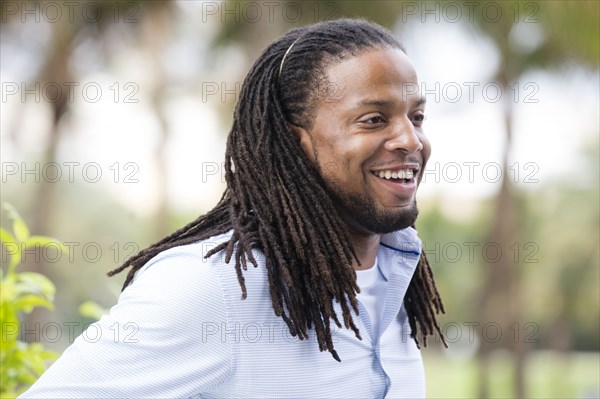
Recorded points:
364,210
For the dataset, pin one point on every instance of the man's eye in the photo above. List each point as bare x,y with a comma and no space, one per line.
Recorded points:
374,120
418,119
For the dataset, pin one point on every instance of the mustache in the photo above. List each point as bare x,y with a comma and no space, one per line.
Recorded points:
408,159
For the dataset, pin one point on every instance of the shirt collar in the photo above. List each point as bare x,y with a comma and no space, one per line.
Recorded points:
399,252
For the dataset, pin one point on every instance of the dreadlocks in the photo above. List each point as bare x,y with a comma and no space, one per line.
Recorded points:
277,202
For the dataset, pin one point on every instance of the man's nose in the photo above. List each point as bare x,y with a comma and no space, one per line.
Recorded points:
404,138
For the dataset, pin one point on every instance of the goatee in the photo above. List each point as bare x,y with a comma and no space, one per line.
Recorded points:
364,210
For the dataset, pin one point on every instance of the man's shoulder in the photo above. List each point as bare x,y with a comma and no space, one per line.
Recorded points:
196,280
189,267
198,248
180,281
188,254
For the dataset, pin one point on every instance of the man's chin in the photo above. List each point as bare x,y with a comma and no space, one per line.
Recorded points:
362,213
383,221
397,220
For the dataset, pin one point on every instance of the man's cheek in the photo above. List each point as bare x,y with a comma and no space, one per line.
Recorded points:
330,171
426,151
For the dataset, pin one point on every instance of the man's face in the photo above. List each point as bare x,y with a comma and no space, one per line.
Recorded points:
367,140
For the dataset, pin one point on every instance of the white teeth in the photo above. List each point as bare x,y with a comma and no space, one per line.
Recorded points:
406,174
401,174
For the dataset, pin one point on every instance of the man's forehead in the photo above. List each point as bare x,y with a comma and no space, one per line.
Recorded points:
382,64
382,75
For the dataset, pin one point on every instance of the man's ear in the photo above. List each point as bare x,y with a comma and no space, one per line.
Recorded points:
305,140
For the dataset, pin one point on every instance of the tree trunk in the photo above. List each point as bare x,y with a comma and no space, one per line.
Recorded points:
56,70
501,302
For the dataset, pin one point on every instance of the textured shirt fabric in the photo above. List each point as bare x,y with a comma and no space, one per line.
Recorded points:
373,287
185,332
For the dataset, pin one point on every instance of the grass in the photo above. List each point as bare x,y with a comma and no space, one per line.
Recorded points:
548,375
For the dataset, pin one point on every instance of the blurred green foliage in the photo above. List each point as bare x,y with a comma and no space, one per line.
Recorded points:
559,271
21,292
92,310
549,375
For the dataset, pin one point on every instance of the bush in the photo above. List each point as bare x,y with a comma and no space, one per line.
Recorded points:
21,363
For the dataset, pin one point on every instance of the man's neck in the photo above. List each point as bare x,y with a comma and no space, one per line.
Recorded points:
366,246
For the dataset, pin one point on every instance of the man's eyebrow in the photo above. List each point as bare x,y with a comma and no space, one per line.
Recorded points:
389,103
376,102
421,101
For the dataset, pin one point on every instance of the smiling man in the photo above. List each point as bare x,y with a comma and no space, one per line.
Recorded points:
322,165
371,141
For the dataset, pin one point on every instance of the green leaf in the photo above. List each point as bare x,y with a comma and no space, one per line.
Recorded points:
44,241
27,303
19,227
92,310
11,248
6,237
21,230
9,333
34,357
7,288
20,363
12,212
36,283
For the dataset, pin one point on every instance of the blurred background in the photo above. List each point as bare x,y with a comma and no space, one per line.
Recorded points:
114,117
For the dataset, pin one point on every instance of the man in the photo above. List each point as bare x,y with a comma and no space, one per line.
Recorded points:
322,165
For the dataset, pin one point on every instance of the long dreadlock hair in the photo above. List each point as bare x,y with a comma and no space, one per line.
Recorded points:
276,200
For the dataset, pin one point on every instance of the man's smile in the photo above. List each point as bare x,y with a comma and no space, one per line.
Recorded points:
406,172
400,179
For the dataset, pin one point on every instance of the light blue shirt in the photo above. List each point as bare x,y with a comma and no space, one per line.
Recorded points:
185,332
